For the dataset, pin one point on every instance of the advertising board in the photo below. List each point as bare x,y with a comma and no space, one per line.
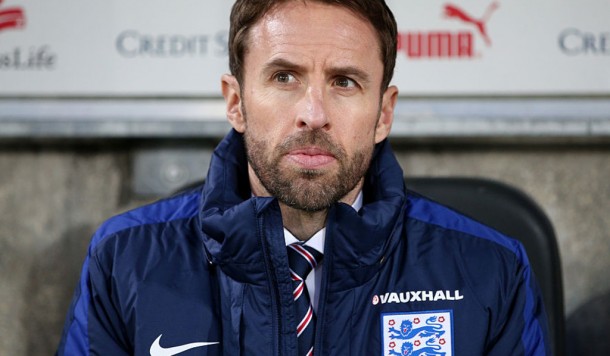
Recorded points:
127,48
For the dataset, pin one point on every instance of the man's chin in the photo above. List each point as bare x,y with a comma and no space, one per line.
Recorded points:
307,203
310,194
308,208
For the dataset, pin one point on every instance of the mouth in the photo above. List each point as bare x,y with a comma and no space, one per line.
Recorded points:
311,157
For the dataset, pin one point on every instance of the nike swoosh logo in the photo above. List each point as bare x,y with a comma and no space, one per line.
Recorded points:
157,350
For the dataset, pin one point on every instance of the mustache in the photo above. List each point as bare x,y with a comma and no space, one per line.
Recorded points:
318,138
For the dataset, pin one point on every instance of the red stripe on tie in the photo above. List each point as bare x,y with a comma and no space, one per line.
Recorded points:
298,291
305,321
310,352
295,277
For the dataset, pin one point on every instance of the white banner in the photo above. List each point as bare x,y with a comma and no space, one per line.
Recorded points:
541,47
122,48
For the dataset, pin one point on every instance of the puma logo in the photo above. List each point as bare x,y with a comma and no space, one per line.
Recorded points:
453,11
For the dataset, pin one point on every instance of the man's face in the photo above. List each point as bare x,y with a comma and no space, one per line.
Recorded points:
310,105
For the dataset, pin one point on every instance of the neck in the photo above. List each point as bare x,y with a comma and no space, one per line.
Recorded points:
302,224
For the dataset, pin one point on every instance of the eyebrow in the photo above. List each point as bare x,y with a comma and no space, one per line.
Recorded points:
345,71
281,63
351,71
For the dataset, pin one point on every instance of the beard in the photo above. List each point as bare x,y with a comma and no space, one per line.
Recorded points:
309,190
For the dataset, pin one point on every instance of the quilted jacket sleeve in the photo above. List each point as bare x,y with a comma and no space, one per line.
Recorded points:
94,325
521,326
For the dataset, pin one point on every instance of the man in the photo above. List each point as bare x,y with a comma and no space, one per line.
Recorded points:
208,272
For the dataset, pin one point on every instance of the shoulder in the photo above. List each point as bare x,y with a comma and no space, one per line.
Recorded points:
487,259
494,266
445,223
147,219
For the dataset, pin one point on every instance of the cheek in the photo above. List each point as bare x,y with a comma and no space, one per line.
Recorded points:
264,118
358,125
267,131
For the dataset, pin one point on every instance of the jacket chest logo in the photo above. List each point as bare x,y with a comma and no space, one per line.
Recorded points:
419,333
157,350
417,296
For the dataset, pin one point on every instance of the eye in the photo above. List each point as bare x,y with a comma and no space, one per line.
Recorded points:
284,77
345,82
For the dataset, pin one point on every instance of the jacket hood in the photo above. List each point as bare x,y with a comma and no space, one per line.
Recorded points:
236,225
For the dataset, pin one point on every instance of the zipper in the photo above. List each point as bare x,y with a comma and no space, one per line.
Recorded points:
273,288
323,291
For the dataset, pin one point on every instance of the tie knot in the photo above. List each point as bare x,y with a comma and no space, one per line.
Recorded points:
302,259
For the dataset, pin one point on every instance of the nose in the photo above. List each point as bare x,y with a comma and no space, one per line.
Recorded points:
311,113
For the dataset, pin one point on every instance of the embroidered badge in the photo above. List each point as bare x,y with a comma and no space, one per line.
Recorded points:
417,333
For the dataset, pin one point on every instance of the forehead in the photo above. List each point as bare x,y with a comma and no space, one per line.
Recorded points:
314,29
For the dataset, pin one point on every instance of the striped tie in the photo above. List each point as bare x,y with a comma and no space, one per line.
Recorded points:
303,259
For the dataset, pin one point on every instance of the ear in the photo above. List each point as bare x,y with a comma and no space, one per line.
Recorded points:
232,94
386,114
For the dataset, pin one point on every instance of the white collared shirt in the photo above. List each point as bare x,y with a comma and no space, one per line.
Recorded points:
317,242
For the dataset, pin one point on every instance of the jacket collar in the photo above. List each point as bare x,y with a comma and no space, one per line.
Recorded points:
233,221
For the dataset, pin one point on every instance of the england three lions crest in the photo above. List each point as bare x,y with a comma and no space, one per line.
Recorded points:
420,333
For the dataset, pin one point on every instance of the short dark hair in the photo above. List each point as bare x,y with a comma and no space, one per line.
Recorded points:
246,13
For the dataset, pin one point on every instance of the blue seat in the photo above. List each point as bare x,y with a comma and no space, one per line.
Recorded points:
512,212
